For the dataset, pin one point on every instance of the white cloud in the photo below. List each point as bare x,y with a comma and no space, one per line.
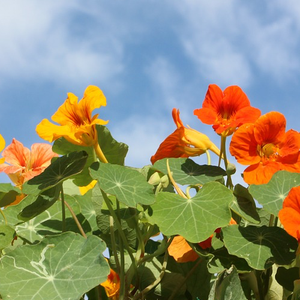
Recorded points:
229,41
40,41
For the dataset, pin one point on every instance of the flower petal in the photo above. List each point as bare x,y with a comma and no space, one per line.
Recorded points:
243,145
181,250
16,154
270,128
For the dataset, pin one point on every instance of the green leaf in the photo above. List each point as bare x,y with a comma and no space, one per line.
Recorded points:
197,218
8,194
58,268
227,286
286,277
272,194
223,260
260,246
39,203
186,171
6,235
114,151
244,205
63,147
128,185
61,169
150,271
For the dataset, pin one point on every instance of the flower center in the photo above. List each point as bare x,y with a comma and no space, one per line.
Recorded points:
267,150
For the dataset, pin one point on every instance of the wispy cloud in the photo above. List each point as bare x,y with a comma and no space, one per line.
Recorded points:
42,41
229,41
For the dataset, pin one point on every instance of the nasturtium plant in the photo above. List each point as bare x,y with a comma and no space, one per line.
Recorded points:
78,224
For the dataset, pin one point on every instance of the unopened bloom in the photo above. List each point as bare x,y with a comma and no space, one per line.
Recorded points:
112,285
22,164
266,147
76,123
183,142
227,110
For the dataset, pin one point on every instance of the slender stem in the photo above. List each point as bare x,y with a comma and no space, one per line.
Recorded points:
75,219
157,281
178,190
63,210
118,224
99,153
3,215
113,243
178,287
208,157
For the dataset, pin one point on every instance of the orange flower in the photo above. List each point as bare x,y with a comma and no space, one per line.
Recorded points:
112,285
183,252
226,110
266,147
184,142
23,164
289,215
76,123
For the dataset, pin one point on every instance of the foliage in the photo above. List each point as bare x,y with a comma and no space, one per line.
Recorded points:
113,240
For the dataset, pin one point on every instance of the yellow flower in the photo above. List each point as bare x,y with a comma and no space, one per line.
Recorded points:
76,123
2,145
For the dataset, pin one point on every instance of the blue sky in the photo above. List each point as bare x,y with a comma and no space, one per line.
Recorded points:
147,57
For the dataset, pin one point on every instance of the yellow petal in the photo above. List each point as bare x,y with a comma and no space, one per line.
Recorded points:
51,132
2,143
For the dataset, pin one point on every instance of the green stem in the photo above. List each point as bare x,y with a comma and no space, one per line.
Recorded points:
63,210
75,219
178,287
113,243
3,215
119,227
157,281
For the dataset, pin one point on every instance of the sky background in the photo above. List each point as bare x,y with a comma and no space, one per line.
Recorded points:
147,57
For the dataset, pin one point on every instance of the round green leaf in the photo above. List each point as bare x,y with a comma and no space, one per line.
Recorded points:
58,268
128,185
260,246
195,219
272,194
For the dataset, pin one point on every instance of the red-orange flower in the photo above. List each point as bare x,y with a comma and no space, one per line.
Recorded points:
22,164
289,215
183,142
227,110
266,147
112,285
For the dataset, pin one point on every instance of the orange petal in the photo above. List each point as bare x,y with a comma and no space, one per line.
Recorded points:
270,128
243,145
261,173
290,219
181,250
41,155
16,154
